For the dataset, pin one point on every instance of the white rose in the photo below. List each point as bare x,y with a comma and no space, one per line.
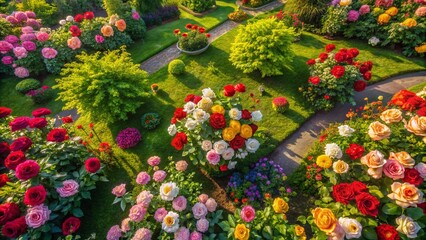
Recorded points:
256,116
252,145
200,115
62,22
69,18
189,107
351,227
168,191
206,145
172,130
421,167
345,130
235,114
191,124
231,164
333,150
220,146
228,154
407,226
208,92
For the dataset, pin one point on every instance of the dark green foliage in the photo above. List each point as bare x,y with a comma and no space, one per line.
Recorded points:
42,95
5,28
176,67
150,120
145,6
43,10
309,11
67,7
136,29
115,7
26,85
6,6
198,5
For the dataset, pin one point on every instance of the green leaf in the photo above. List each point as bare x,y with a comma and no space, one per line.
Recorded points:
415,213
369,233
302,219
377,193
77,212
224,225
391,209
231,221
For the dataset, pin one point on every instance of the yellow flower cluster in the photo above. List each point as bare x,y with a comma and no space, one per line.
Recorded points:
235,128
383,18
280,205
324,219
392,11
409,22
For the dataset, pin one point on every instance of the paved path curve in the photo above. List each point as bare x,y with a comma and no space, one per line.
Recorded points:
291,151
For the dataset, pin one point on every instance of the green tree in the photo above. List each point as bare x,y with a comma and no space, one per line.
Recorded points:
106,86
264,45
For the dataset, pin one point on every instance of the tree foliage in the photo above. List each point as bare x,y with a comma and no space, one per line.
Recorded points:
115,7
105,86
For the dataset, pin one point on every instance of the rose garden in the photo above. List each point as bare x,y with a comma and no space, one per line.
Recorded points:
190,119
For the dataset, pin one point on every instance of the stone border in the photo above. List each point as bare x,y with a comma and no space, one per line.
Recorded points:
241,6
196,52
202,14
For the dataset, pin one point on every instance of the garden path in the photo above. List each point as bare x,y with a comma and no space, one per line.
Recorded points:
291,151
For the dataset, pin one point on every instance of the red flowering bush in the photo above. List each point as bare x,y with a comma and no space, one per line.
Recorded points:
335,77
280,104
195,39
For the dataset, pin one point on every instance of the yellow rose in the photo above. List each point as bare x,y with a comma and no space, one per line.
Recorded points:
241,232
205,104
246,131
279,205
299,230
324,219
324,161
391,115
392,11
409,22
404,158
383,18
421,48
218,109
378,131
121,25
405,194
345,2
107,31
236,125
228,134
340,167
417,125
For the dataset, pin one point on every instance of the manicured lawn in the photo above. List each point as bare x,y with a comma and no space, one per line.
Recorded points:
162,37
418,87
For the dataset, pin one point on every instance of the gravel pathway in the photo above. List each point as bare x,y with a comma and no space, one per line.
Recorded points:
291,151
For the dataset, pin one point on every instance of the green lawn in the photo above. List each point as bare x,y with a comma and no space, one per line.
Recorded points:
162,36
418,87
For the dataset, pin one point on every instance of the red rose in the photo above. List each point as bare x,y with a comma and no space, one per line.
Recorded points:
89,15
367,75
387,232
228,90
360,85
245,114
179,140
179,114
327,97
254,127
41,112
355,151
78,18
57,135
217,121
21,144
353,52
70,225
340,57
19,123
329,47
363,69
75,31
349,61
197,99
189,98
338,71
27,170
369,64
311,62
15,228
367,204
359,187
422,112
35,195
67,119
240,87
413,103
323,57
8,212
92,165
14,159
4,112
343,193
4,150
314,80
223,168
38,122
237,143
412,176
3,179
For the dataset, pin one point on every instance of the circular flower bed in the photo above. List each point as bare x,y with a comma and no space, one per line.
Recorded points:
150,120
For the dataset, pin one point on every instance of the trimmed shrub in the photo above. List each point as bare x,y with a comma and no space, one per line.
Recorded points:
280,104
176,67
144,6
26,85
135,28
309,11
41,95
128,138
238,16
198,5
150,120
264,45
164,13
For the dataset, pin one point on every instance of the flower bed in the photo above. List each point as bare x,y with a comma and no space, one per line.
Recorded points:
48,173
193,40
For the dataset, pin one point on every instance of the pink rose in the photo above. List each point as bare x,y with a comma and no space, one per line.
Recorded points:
21,72
29,46
49,53
421,168
211,205
12,20
143,178
5,47
202,225
394,169
182,233
135,15
160,214
144,198
28,37
119,190
114,233
42,36
248,213
203,198
21,16
179,203
33,23
137,213
37,216
199,210
125,226
69,188
213,157
159,175
99,38
11,39
7,60
196,236
154,160
30,14
142,234
20,52
27,30
74,43
181,166
364,9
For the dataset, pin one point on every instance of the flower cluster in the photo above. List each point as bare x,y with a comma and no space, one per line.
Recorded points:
196,38
128,138
280,104
46,182
291,20
409,101
22,19
215,129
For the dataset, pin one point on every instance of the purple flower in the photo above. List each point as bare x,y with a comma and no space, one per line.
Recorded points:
114,233
7,60
128,138
11,39
160,214
353,16
202,225
30,14
179,204
196,236
99,38
29,46
28,37
334,3
33,23
12,20
364,9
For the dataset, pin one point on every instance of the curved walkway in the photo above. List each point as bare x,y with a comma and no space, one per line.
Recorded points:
291,151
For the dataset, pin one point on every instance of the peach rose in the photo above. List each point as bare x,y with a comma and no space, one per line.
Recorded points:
378,131
391,115
375,161
324,219
417,125
181,165
74,43
405,194
121,25
404,158
107,31
340,167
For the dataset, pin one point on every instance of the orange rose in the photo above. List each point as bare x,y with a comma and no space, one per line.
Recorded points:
121,25
383,18
391,115
404,158
74,43
392,11
409,22
405,194
324,219
378,131
417,125
107,31
421,48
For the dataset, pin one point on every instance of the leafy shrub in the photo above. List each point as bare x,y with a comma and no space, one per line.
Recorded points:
108,86
135,28
309,11
291,20
263,45
238,16
255,3
198,5
176,67
5,28
193,40
26,85
43,10
115,7
41,95
128,138
150,120
334,20
147,6
72,7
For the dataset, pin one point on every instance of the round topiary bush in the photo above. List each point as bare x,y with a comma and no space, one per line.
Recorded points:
176,67
128,138
26,85
280,104
150,120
